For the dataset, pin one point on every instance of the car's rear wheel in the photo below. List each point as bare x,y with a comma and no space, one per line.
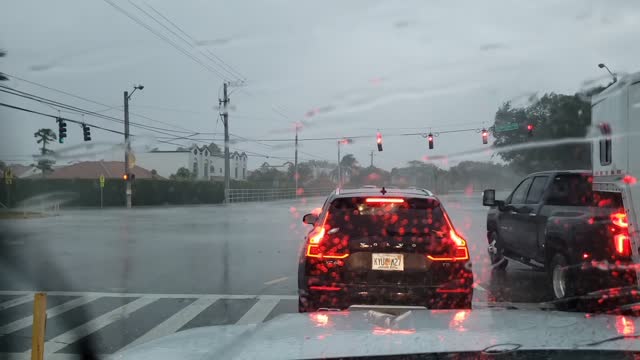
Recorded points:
496,252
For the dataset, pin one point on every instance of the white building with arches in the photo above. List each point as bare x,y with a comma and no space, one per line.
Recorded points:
199,160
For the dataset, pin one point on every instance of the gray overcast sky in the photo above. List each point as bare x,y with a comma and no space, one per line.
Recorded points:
398,66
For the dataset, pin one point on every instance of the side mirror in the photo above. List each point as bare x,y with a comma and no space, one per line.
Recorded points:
310,219
489,197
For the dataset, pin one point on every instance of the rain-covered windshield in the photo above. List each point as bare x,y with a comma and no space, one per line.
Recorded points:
168,166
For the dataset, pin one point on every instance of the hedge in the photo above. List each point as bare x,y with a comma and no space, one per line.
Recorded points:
86,192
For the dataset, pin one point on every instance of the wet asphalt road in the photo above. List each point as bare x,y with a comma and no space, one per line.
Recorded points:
249,248
118,278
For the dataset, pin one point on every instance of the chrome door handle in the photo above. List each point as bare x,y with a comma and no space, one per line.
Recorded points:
514,212
532,214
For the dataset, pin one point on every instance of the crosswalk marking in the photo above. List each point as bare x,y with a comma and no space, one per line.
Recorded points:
18,301
154,296
258,312
26,321
175,322
94,325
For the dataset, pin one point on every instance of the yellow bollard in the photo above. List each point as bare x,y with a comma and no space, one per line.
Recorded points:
39,325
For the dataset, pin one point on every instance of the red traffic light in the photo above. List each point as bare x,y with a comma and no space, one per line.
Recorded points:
379,141
430,140
530,127
485,136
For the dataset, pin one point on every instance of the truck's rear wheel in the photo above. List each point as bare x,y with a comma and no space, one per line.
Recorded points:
496,252
561,283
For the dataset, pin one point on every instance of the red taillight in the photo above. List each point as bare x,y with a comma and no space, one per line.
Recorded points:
621,239
622,244
620,219
385,200
314,248
461,253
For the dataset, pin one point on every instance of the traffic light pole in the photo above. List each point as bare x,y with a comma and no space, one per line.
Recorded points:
295,164
225,121
127,148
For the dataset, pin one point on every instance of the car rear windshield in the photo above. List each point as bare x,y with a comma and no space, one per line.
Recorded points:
576,190
412,216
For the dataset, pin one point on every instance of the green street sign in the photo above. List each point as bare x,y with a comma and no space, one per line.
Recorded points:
506,127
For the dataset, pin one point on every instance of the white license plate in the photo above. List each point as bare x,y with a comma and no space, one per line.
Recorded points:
388,262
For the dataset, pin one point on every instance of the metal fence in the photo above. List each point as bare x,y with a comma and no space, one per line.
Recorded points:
246,195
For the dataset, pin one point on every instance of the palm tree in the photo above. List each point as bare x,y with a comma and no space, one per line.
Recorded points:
45,136
348,166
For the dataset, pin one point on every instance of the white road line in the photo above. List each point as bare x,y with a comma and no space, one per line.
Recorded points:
94,325
149,295
174,323
18,301
258,312
26,321
275,281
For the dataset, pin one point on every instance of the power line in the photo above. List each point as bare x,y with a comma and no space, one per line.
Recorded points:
91,101
59,117
165,39
225,66
87,112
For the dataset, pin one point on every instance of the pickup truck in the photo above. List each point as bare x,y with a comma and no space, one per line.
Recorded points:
554,221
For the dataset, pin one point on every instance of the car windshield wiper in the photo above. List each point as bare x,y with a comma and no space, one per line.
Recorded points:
614,338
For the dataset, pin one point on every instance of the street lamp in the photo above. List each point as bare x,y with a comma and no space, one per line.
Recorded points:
615,78
127,148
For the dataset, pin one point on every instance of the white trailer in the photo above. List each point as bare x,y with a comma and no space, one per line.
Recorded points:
615,113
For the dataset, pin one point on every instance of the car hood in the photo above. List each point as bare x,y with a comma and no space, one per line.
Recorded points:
366,333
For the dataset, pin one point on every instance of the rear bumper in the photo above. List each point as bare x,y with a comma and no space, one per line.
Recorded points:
453,294
595,276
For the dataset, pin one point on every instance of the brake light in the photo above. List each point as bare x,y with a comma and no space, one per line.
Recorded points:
461,252
385,200
620,219
621,239
314,248
622,244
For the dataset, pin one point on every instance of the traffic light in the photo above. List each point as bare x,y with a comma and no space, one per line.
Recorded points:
530,130
485,136
125,177
62,130
128,176
86,131
379,141
430,140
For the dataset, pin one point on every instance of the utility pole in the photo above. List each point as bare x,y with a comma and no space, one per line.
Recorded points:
127,148
225,121
295,164
127,144
371,155
339,166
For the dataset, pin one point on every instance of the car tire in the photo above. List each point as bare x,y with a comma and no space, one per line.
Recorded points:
560,281
496,252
